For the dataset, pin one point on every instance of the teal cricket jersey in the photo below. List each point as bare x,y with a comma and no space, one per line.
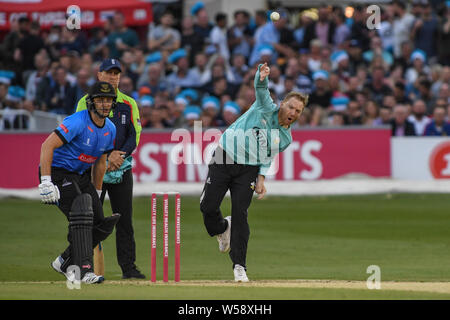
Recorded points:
256,137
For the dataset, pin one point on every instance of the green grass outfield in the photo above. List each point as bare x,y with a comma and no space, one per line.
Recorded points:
333,238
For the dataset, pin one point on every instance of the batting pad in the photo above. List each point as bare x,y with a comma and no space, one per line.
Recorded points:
81,219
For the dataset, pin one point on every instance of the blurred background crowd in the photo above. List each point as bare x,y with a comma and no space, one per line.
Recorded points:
201,67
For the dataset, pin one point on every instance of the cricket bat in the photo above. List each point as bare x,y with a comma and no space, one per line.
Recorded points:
99,260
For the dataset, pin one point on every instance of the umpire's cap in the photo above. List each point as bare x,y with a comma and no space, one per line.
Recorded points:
109,64
102,89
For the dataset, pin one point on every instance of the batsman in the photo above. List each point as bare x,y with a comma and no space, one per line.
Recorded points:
82,141
240,163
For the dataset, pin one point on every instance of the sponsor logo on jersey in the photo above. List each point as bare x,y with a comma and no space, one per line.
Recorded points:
87,158
90,129
106,133
66,183
64,128
88,142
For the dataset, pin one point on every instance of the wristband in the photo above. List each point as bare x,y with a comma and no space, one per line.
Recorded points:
46,179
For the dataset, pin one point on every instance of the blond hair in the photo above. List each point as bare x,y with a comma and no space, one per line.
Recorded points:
297,95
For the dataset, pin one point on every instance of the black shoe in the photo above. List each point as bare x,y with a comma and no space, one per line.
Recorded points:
133,274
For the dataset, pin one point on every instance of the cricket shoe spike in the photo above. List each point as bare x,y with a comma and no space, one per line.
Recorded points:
239,274
91,278
224,238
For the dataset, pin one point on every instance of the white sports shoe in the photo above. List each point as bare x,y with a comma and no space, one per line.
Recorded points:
224,238
91,278
239,274
56,265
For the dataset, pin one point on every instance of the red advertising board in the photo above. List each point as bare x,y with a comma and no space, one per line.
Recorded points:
19,163
90,13
177,157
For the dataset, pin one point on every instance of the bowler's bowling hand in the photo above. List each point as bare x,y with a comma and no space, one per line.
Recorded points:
264,71
115,160
260,188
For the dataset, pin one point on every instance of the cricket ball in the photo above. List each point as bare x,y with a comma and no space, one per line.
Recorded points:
274,16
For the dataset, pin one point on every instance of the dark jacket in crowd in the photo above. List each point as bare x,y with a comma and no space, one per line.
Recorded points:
409,129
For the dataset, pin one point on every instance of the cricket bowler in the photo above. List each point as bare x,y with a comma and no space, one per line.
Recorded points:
240,163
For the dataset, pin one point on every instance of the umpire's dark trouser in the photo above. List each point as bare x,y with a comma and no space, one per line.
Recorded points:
240,180
121,198
65,180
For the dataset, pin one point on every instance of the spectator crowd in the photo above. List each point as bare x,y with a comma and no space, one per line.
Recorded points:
397,74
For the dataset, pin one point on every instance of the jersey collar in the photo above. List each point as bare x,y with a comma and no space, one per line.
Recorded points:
90,117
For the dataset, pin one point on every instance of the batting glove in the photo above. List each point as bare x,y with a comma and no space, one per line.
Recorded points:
48,191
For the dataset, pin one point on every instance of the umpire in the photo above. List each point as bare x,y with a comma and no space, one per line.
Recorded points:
241,161
118,180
